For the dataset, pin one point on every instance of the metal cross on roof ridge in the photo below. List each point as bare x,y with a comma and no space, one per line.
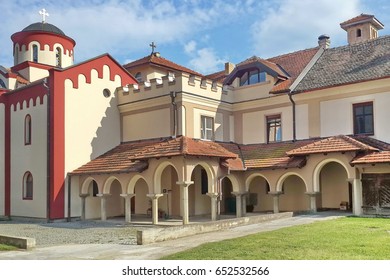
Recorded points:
153,46
44,14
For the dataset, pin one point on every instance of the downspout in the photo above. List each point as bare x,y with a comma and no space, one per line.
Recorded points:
48,151
173,97
294,116
69,197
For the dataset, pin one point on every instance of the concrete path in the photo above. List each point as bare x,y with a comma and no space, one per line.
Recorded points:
157,250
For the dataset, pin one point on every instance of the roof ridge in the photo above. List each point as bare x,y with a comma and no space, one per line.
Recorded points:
358,143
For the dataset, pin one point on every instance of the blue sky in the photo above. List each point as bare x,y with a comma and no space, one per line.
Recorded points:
199,34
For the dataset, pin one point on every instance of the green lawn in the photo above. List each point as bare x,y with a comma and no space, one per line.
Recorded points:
4,247
346,238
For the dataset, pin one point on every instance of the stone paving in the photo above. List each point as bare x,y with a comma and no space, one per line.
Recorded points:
113,240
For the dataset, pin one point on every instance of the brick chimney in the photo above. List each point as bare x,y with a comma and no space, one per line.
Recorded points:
324,41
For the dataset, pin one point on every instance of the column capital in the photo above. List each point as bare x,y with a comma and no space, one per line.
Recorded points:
275,193
84,195
125,195
154,195
239,193
312,193
184,183
212,195
103,195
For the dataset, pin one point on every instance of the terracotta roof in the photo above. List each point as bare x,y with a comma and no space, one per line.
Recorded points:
369,60
132,156
376,157
293,64
217,77
361,19
276,163
339,143
155,59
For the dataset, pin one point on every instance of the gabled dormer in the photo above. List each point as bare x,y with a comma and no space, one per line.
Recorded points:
255,70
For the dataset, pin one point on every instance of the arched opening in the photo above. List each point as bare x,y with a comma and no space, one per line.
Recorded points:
35,53
28,186
334,187
293,196
228,200
16,55
58,57
138,77
140,202
92,201
27,130
258,199
199,202
358,32
169,203
115,204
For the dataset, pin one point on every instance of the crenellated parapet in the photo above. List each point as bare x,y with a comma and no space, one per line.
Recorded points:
182,83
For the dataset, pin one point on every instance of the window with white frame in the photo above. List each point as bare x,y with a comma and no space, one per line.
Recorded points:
35,53
207,128
274,128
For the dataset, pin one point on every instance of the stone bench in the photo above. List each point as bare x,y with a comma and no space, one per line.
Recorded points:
20,242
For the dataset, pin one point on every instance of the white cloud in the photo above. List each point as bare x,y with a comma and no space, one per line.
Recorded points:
291,25
190,47
206,61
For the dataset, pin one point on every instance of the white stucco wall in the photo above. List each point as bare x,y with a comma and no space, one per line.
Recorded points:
151,124
302,121
218,123
2,163
32,158
337,115
254,124
92,123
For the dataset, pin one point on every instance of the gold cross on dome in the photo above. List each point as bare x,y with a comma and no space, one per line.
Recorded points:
44,14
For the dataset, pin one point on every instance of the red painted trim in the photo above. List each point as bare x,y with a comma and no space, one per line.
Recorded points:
57,145
24,38
7,157
27,64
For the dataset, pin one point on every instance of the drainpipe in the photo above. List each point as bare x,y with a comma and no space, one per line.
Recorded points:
294,117
69,197
173,97
48,151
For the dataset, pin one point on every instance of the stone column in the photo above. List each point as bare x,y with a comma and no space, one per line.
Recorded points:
83,198
154,197
238,196
103,211
313,201
357,197
244,196
184,200
127,198
275,196
214,197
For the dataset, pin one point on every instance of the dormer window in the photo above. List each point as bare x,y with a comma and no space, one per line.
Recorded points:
252,77
138,77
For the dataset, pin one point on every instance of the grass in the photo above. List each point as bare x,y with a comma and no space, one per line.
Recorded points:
346,238
4,247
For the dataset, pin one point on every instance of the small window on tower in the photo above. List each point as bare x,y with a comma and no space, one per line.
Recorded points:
35,53
359,33
58,57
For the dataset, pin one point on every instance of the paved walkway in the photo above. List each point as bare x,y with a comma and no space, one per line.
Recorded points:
157,250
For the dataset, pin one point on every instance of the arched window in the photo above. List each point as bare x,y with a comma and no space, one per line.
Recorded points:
16,55
35,53
95,189
27,130
27,186
58,57
359,33
138,77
